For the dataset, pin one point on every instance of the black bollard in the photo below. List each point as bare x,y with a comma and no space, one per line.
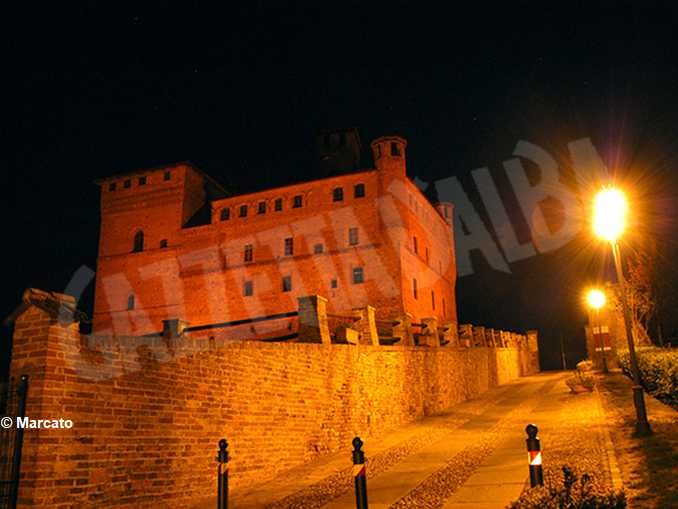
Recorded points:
222,479
359,474
534,454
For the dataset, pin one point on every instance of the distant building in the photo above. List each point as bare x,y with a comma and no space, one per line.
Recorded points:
606,332
174,245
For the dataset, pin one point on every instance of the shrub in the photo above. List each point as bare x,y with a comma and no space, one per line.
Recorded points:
658,370
584,366
580,379
574,493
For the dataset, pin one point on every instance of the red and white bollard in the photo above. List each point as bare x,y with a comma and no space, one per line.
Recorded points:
359,474
534,455
222,475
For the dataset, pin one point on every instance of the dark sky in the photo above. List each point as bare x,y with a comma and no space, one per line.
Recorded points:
241,91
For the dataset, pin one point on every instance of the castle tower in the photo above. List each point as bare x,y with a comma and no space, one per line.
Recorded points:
338,151
389,155
445,209
142,217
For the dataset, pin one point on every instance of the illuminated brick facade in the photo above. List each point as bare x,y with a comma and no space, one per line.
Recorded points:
363,238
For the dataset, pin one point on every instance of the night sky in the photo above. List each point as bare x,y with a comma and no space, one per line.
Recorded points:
241,92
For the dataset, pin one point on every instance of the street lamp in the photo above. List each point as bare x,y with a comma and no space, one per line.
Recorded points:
610,208
596,300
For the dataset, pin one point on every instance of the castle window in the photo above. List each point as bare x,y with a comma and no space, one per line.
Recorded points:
358,275
318,249
378,151
433,300
163,243
426,255
277,205
243,211
296,201
130,303
127,183
249,253
225,214
333,283
415,245
261,208
395,149
359,191
248,289
287,284
353,236
112,186
167,176
289,246
338,194
138,245
142,181
415,293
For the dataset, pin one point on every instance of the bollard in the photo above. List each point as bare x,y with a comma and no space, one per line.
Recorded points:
534,454
359,474
222,479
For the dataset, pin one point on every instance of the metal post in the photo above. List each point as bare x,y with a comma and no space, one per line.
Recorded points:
534,454
359,474
22,393
642,425
562,352
222,479
602,341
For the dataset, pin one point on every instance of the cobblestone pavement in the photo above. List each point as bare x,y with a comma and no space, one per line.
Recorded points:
472,456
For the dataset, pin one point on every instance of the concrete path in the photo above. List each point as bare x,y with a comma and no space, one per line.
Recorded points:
504,474
473,456
399,481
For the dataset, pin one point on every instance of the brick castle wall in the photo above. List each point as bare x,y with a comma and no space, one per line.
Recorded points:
148,413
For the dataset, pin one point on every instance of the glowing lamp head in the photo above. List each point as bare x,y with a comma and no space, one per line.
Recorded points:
609,214
595,299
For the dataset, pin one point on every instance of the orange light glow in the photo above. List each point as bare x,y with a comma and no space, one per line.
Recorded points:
595,298
609,214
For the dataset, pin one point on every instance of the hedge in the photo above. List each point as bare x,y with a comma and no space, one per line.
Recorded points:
658,370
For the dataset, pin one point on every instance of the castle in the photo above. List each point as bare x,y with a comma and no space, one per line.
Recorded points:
174,246
364,248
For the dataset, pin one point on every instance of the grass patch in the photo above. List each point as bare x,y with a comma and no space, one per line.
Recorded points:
648,464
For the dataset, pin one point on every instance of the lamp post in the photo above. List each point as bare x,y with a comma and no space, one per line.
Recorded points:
596,300
609,222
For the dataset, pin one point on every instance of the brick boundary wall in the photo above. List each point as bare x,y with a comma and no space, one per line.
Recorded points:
148,412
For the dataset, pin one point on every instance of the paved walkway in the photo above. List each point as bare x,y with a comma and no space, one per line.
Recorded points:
473,456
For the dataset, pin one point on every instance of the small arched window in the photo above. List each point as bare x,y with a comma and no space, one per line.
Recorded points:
163,243
138,242
130,302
